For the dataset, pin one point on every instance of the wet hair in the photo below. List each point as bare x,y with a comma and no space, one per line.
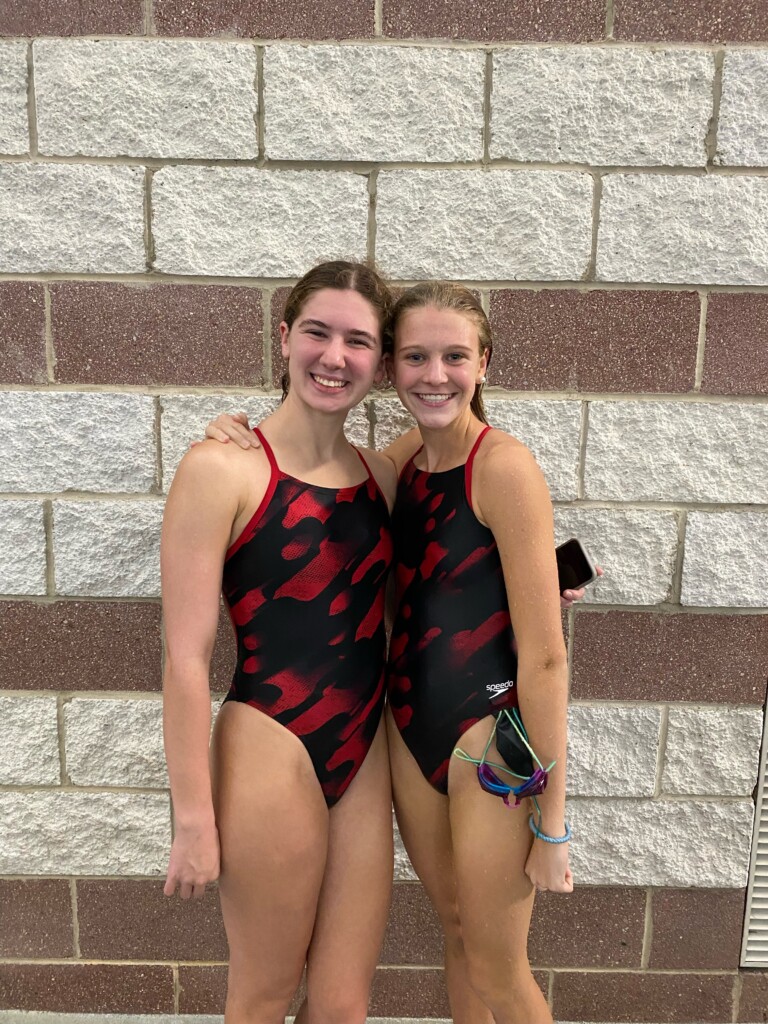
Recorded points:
342,275
446,295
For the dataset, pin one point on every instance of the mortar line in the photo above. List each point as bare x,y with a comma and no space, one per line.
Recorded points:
597,196
676,586
50,355
487,99
738,985
149,21
610,18
75,918
710,140
61,732
645,955
31,102
373,181
378,19
158,431
582,463
702,340
149,244
176,987
260,119
50,566
661,753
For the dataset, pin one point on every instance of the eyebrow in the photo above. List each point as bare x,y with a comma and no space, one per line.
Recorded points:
325,327
454,348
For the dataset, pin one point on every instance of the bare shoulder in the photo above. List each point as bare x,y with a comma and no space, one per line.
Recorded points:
384,473
505,470
401,450
210,469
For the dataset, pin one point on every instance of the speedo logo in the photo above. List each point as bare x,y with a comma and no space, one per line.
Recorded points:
500,687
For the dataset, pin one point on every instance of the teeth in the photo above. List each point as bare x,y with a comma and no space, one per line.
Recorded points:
434,399
329,383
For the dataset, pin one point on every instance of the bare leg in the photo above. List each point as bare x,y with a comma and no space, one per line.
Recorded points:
423,819
355,896
490,847
273,826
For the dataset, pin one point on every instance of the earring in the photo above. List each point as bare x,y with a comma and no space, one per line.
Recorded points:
483,380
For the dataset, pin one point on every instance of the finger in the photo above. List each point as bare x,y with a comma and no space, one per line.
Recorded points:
198,891
599,570
216,434
241,417
170,886
185,890
192,444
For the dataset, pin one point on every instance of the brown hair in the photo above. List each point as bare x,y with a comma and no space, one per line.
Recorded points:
343,275
445,295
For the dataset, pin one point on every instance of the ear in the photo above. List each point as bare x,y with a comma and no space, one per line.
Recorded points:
284,331
388,368
484,360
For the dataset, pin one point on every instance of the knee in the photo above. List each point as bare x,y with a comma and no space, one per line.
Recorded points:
500,984
452,933
348,1006
250,997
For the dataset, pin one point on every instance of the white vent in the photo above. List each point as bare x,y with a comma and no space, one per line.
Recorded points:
754,952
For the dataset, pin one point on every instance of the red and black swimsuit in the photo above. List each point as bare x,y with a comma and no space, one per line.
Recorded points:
305,583
452,647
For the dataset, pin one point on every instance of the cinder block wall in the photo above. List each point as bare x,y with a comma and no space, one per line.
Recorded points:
597,170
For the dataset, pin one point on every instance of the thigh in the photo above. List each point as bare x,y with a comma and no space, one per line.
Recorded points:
356,890
491,843
424,825
273,828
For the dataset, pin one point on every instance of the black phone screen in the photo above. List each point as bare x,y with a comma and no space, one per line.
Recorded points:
573,568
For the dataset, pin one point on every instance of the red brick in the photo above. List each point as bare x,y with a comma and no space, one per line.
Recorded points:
568,340
736,349
682,928
705,21
151,926
224,655
36,918
594,926
753,1003
496,20
160,334
624,997
80,645
651,656
266,19
202,989
22,333
279,365
86,988
71,17
413,932
409,992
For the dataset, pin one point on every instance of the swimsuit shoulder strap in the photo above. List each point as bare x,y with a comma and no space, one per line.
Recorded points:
268,451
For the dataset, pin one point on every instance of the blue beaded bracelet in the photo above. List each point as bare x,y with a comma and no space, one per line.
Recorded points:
543,835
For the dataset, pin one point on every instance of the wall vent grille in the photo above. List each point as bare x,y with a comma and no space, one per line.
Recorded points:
754,951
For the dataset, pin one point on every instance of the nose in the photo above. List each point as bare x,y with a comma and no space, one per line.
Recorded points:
333,353
434,372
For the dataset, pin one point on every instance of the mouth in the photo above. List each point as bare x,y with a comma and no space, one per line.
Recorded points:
330,383
434,400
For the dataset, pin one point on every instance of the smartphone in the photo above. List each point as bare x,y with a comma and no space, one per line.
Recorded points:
575,568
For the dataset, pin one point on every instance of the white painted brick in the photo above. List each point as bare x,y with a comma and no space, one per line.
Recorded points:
683,229
69,833
742,130
712,751
29,741
115,743
612,750
725,559
73,218
677,451
107,548
242,221
58,441
497,225
391,420
635,547
184,419
160,98
404,871
373,103
704,844
22,548
551,431
14,124
599,105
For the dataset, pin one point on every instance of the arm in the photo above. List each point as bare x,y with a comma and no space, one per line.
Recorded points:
512,498
199,513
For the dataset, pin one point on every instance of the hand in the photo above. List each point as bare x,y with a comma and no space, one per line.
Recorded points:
547,867
235,427
568,597
194,861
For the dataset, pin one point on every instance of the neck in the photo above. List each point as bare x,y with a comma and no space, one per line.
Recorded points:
450,446
313,438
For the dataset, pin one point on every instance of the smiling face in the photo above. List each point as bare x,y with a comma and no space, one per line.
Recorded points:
333,348
437,364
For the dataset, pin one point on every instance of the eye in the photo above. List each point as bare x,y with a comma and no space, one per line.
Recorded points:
360,342
414,357
455,357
